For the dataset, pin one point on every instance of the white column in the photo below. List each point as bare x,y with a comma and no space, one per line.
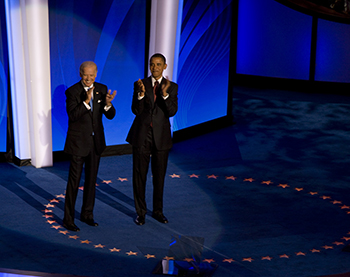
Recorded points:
29,58
166,17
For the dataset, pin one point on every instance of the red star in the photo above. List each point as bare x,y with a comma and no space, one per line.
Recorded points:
54,201
345,207
266,258
114,250
283,186
60,196
315,250
284,256
47,211
51,221
348,212
313,192
174,176
247,260
188,260
65,232
325,197
300,254
228,260
122,179
148,256
338,243
267,182
336,202
168,258
73,237
56,227
346,238
130,253
86,241
249,180
212,176
81,188
208,260
99,246
47,215
299,189
327,247
49,206
107,181
231,178
194,176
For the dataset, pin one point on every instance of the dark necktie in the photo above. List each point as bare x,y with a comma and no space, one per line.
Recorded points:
155,87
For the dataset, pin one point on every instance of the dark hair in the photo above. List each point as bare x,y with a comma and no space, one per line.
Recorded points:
158,55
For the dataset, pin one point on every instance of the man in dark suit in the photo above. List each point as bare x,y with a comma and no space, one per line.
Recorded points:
154,102
86,102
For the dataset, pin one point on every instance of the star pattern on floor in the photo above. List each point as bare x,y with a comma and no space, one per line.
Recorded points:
149,256
48,215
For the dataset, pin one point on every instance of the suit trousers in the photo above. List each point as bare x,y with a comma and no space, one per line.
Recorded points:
159,161
91,162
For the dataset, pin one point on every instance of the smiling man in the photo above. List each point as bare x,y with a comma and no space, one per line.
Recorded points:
154,102
86,102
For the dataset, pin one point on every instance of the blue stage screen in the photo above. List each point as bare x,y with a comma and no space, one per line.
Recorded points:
203,65
273,40
333,55
110,33
3,78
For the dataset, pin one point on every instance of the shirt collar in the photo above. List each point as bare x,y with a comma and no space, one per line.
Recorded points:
86,88
154,80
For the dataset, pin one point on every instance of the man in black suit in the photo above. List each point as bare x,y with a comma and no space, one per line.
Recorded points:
86,102
154,102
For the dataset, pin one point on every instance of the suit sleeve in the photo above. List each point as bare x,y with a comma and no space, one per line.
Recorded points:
171,103
137,105
74,105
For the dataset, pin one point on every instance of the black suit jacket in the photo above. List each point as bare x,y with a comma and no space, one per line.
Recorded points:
82,123
147,111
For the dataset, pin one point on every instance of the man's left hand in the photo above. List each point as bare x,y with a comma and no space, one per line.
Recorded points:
165,87
110,96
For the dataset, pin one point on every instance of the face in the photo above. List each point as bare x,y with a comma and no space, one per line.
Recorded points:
88,75
157,67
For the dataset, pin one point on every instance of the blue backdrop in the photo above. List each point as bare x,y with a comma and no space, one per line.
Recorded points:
333,54
203,62
113,35
3,78
273,40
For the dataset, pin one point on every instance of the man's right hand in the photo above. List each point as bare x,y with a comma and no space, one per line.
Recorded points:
141,87
89,95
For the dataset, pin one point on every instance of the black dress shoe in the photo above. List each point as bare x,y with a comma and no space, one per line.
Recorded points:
160,217
71,227
90,222
139,220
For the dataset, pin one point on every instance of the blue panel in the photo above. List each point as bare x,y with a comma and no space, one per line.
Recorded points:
273,40
203,62
3,78
109,32
333,55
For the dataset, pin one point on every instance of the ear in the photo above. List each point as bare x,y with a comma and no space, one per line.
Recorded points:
165,66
